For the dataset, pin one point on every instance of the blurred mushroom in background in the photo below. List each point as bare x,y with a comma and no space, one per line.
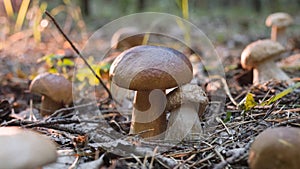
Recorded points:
55,89
260,56
279,22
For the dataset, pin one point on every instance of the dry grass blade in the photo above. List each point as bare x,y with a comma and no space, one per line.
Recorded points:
21,15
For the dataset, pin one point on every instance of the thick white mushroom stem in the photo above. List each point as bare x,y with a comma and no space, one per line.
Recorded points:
185,104
148,116
278,34
184,123
267,70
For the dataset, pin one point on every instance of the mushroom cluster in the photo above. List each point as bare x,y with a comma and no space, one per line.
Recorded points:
260,56
55,89
276,148
150,70
24,149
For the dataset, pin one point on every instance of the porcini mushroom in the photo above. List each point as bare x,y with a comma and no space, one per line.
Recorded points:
278,22
260,56
185,104
25,149
276,148
56,91
150,70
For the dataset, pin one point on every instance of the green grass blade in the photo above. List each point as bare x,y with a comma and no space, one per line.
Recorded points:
280,95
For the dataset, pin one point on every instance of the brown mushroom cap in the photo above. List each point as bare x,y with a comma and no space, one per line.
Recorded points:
151,67
54,86
279,19
259,51
276,148
22,148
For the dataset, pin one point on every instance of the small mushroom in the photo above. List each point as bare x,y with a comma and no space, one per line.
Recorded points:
56,92
279,21
185,104
25,149
276,148
260,56
150,70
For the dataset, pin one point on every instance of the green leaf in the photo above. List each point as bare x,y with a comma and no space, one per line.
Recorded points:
248,102
104,70
228,116
65,62
104,66
52,70
50,59
68,62
280,95
82,73
85,73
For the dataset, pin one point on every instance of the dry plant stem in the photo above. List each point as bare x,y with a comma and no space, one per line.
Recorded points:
268,70
148,116
79,53
48,106
278,34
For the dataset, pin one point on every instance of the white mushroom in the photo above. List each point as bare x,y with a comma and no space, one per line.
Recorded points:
279,22
260,56
25,149
186,104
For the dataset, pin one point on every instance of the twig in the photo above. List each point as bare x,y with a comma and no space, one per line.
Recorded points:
271,109
68,108
79,54
52,124
236,155
166,162
183,164
138,160
223,124
152,158
227,91
93,164
75,163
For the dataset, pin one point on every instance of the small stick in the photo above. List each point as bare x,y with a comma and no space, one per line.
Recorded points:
79,54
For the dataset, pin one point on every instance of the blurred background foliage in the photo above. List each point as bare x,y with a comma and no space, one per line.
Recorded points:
225,16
